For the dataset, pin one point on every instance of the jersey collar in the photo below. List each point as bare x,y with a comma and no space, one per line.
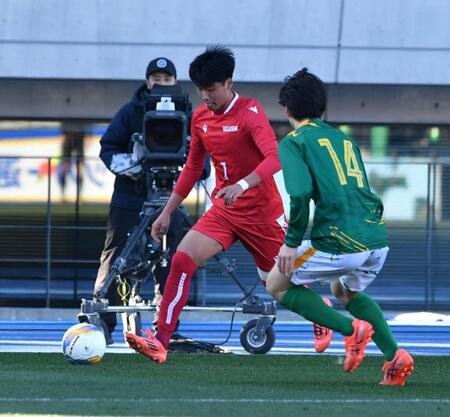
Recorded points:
304,123
230,106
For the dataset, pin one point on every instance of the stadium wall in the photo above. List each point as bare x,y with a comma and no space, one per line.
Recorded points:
51,50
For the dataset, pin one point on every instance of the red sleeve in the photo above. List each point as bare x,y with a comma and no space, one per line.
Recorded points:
262,133
193,169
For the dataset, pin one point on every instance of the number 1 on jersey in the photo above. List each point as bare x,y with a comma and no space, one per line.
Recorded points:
224,166
351,162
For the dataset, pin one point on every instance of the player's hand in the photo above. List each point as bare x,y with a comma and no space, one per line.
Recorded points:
286,258
230,193
160,226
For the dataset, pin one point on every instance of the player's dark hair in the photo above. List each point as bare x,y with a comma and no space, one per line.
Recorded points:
304,95
216,64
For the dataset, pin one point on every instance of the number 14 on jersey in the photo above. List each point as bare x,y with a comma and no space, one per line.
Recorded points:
351,162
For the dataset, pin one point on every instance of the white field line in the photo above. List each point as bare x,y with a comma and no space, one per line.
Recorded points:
235,400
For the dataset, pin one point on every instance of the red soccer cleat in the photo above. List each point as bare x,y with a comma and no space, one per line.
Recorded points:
322,335
355,344
148,346
398,369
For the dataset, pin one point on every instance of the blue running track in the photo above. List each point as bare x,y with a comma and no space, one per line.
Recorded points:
291,337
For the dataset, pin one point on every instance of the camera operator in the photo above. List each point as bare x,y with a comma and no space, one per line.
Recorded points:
130,191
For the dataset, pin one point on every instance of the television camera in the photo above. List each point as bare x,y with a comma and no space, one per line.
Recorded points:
160,150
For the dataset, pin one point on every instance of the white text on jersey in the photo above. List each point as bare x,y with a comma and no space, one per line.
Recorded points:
230,128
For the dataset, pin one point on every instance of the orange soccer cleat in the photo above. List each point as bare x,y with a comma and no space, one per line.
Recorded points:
398,369
148,346
322,335
355,344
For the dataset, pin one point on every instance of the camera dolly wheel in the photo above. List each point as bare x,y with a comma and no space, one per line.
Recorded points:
258,336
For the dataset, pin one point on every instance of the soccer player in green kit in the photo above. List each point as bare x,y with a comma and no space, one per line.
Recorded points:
348,243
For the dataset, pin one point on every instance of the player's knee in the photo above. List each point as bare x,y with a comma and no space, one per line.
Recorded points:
335,289
273,290
177,258
341,293
273,286
182,261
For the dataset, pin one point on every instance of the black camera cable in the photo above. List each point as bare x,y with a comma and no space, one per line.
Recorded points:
230,329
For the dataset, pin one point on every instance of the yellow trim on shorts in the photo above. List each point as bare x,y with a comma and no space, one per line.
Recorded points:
304,257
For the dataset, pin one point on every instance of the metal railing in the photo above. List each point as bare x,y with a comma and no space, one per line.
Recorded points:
58,242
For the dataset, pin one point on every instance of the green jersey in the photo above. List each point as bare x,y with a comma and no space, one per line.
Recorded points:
322,164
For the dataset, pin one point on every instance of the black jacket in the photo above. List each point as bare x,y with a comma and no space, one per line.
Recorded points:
128,193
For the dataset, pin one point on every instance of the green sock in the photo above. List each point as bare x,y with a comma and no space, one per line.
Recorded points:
365,308
309,304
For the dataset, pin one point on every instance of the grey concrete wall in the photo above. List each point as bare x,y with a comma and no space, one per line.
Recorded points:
395,42
99,100
343,41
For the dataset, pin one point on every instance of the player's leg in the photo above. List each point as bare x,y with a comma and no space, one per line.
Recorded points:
306,302
175,235
310,305
348,290
399,364
263,241
322,335
192,252
363,307
209,236
312,265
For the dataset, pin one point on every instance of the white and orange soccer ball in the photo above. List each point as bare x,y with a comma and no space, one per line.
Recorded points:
83,344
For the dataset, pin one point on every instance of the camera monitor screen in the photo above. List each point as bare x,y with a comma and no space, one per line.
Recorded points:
164,134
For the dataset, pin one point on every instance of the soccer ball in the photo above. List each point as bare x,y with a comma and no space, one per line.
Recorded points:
83,344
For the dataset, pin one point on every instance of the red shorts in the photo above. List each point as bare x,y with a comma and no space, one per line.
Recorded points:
263,241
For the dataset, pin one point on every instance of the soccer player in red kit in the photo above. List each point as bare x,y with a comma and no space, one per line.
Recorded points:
237,135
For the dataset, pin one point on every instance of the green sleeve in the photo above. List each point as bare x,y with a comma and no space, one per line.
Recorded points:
298,182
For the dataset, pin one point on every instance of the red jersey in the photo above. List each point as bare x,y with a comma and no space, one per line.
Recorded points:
239,141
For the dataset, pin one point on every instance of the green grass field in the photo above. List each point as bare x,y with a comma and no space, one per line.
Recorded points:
217,386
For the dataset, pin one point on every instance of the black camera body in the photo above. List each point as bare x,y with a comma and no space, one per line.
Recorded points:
160,151
166,125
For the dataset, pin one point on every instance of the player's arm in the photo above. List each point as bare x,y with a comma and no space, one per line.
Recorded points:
264,137
299,186
117,136
230,193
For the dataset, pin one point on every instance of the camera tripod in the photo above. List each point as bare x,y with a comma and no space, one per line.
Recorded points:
138,260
